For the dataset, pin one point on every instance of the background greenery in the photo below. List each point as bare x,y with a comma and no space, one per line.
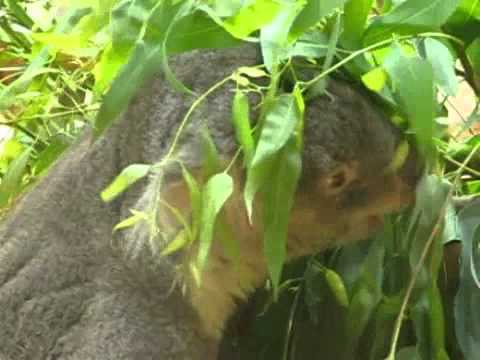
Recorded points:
65,64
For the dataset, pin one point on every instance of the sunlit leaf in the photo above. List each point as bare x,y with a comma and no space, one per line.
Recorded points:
136,217
312,13
126,178
375,79
356,14
250,17
274,38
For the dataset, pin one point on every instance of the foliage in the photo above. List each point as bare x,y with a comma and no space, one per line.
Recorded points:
411,53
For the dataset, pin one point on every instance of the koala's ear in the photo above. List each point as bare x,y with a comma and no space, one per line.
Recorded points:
339,179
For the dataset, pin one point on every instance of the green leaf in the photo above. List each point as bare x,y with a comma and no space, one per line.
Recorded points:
136,217
314,45
11,149
466,12
127,20
198,31
180,241
418,102
375,79
250,18
410,17
12,183
241,124
256,178
473,187
211,159
126,178
337,287
312,13
279,124
467,311
356,14
216,192
473,53
274,38
51,153
443,65
277,203
195,200
19,13
252,72
143,63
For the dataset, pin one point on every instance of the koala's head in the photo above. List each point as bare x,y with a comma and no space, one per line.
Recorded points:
348,183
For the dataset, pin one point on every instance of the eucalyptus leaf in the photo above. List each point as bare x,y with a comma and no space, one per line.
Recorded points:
410,17
312,13
12,184
279,124
248,19
198,31
126,178
418,102
216,192
195,200
278,200
274,37
443,65
314,45
148,53
356,14
241,123
127,20
136,217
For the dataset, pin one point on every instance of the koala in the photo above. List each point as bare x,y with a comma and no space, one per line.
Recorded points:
72,289
346,188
